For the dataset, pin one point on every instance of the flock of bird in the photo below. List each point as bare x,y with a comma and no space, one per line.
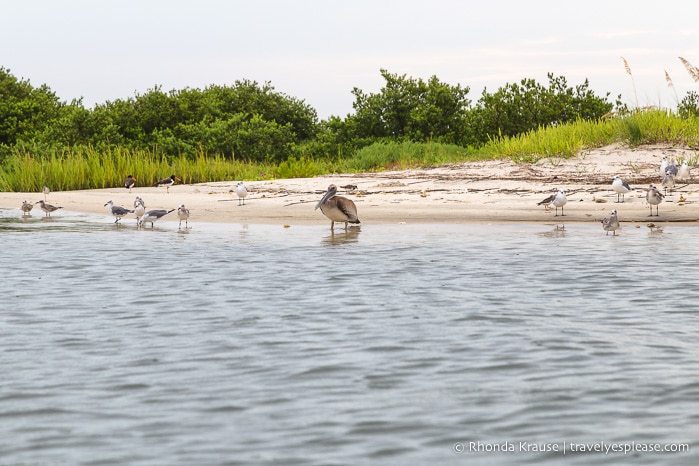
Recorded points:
336,208
342,210
669,173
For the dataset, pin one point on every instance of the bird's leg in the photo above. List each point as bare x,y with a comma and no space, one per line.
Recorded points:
332,225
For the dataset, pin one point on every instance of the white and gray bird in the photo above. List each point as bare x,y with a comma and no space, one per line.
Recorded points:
663,165
153,215
559,200
117,211
48,208
337,208
668,181
684,173
654,197
183,214
547,202
46,191
671,168
611,223
26,207
620,187
241,191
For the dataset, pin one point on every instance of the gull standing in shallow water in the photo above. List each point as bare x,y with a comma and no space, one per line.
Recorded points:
153,215
337,208
117,211
241,191
654,197
611,223
139,208
48,208
183,214
620,187
167,182
27,207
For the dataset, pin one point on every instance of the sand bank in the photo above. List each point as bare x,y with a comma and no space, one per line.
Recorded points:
492,191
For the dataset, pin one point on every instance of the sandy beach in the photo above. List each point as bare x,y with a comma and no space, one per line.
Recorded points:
483,192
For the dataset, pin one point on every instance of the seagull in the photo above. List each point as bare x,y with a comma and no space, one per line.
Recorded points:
183,214
671,168
129,182
611,223
621,187
153,215
559,200
241,191
117,211
547,202
684,173
48,208
654,197
27,207
663,165
167,182
337,208
139,209
46,191
668,181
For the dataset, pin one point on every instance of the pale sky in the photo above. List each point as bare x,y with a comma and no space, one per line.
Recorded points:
319,50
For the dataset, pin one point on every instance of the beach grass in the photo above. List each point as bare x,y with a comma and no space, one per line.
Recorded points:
81,167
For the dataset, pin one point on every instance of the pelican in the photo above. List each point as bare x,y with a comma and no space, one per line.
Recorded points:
46,191
27,207
129,182
620,187
241,191
183,214
611,223
654,197
153,215
337,208
117,211
48,208
167,182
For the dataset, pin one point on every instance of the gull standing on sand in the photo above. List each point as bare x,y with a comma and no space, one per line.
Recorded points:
663,165
26,207
668,181
620,187
48,208
153,215
46,191
117,211
547,202
167,182
611,223
684,173
183,214
559,200
337,208
129,182
654,197
241,191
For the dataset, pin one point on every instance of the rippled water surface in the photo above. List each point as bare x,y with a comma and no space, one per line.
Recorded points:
398,344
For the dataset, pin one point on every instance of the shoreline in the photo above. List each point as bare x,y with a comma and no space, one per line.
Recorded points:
497,191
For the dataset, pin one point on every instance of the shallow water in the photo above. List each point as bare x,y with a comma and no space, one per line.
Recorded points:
396,344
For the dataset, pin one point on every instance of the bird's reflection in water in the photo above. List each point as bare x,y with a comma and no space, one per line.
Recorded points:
350,235
559,231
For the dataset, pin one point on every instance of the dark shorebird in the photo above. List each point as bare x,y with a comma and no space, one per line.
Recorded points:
167,182
153,215
183,214
547,202
48,208
611,223
654,197
46,191
129,182
27,207
337,208
241,191
117,211
620,187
